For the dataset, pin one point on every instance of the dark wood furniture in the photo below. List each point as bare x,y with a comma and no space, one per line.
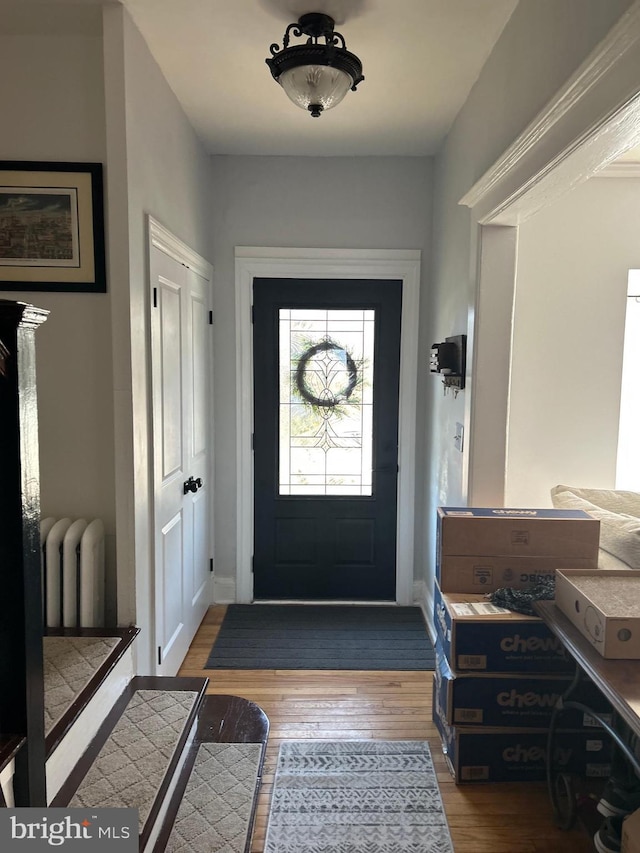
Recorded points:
21,663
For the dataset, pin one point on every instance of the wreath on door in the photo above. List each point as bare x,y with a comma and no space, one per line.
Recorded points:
327,398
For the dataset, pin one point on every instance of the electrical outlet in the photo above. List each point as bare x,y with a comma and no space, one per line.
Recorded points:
458,438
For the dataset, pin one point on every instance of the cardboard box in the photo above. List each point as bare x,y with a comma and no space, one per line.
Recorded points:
604,605
487,573
475,635
480,531
519,755
511,699
631,833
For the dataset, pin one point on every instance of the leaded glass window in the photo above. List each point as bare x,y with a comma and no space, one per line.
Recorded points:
326,401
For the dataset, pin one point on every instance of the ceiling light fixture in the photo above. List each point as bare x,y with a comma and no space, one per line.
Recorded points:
315,76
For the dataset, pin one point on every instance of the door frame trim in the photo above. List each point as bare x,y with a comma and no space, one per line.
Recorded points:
391,264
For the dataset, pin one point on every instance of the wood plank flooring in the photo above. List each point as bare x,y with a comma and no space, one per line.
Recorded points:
386,705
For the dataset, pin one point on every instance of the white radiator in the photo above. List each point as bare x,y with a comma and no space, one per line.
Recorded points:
72,572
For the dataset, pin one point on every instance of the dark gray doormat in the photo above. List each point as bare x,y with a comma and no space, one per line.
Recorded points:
356,796
300,636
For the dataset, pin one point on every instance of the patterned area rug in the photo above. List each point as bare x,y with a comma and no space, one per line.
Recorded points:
356,796
69,664
215,812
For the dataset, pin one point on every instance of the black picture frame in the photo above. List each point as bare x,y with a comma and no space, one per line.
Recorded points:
52,227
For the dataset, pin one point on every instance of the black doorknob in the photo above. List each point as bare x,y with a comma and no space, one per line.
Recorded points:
190,485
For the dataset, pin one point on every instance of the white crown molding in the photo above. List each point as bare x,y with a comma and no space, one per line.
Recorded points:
163,239
620,170
325,256
623,36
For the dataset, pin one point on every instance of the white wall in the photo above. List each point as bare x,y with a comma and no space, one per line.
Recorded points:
573,263
156,166
542,44
303,202
53,109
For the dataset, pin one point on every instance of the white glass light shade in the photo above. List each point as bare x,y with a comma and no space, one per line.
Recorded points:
319,85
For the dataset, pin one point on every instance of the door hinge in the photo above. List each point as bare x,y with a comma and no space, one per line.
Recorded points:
253,436
211,564
155,297
253,313
159,655
211,318
252,562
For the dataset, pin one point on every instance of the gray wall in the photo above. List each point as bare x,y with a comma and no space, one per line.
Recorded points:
157,166
302,202
61,116
540,47
106,102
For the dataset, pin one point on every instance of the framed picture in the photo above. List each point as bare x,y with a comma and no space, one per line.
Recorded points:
52,227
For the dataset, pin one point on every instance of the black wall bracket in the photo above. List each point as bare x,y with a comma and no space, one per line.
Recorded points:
449,359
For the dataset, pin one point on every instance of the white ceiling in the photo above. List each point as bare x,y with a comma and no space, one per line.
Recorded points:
420,59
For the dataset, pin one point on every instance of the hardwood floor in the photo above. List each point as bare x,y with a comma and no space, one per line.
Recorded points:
386,705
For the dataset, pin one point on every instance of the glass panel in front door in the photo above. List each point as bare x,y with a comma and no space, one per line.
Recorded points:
326,401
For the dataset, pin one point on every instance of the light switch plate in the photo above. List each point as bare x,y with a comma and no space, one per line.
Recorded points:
458,439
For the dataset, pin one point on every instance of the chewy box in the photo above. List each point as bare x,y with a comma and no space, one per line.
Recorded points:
482,531
519,755
488,573
510,699
604,605
475,635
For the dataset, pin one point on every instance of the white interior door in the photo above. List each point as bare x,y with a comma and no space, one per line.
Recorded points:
182,440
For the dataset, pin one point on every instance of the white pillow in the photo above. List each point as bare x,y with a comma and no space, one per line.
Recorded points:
615,500
619,532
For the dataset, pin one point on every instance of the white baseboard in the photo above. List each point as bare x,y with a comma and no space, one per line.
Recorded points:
224,590
423,597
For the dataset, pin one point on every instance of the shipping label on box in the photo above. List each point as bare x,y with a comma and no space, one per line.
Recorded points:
519,755
480,531
475,635
479,574
512,699
604,604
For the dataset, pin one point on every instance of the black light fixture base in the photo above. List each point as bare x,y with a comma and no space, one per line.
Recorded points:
316,25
